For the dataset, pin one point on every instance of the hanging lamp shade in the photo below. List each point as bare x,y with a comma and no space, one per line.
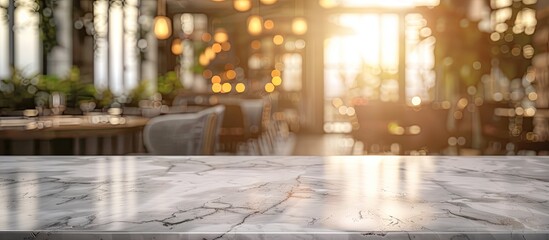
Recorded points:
255,25
242,5
299,26
162,27
162,24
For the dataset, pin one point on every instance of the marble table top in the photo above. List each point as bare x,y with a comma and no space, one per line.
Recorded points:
274,197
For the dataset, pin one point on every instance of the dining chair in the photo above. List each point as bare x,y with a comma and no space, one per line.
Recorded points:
232,128
252,110
184,134
176,134
213,128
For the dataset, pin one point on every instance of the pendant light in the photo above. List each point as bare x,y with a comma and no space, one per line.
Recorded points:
242,5
162,24
255,23
299,24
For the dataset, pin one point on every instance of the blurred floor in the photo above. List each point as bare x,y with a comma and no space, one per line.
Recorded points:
343,144
326,145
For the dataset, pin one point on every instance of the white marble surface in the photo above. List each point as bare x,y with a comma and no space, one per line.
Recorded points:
247,196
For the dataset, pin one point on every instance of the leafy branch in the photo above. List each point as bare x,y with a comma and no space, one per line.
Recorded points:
47,26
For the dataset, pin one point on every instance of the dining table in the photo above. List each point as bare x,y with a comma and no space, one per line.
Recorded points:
274,197
72,135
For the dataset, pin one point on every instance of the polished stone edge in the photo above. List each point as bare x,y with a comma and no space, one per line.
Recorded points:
95,235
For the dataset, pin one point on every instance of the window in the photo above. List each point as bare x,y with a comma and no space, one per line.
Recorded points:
4,40
381,55
363,61
116,56
26,41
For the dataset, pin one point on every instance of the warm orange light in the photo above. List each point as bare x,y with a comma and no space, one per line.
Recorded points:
216,87
240,87
216,79
216,48
210,54
269,87
299,26
269,24
275,73
206,37
328,3
242,5
276,81
226,46
203,60
162,27
256,44
278,39
177,47
268,2
231,74
255,24
227,87
221,36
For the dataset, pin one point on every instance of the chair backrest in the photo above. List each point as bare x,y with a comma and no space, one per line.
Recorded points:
252,110
176,134
213,127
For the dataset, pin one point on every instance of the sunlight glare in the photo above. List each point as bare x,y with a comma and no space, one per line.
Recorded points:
343,49
388,3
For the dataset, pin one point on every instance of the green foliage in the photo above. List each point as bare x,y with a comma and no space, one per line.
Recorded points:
140,92
77,91
104,98
19,92
169,85
48,29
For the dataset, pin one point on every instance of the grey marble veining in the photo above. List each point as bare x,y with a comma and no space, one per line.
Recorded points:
248,197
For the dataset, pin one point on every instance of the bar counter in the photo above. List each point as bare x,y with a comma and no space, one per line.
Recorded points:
274,197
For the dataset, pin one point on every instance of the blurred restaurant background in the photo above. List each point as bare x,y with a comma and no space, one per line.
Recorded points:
274,77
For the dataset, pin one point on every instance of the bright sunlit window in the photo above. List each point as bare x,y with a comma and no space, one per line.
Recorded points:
292,72
27,45
380,3
116,55
4,41
372,72
362,60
